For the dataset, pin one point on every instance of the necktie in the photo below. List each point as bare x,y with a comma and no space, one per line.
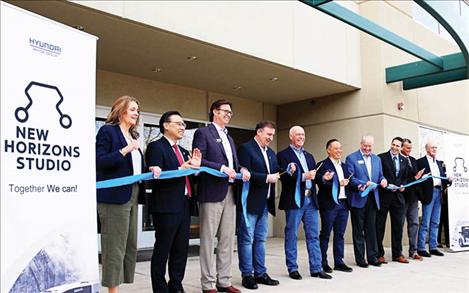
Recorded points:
395,165
410,162
181,161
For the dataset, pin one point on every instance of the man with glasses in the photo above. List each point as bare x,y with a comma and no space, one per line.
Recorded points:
169,204
217,199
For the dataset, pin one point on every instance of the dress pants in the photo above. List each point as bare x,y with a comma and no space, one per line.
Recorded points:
310,217
390,203
412,214
335,218
171,246
364,231
217,219
251,244
430,221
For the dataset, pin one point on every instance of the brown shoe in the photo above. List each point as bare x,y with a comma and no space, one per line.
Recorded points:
401,259
382,260
209,291
229,289
416,257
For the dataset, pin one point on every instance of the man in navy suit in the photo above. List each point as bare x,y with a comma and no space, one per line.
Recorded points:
217,198
169,204
412,195
431,200
260,160
366,168
304,208
333,180
395,170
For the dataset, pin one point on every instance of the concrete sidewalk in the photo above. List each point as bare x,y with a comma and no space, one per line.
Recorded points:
447,274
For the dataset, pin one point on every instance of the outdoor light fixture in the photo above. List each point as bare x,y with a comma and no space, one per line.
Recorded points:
237,88
192,58
400,106
156,69
273,78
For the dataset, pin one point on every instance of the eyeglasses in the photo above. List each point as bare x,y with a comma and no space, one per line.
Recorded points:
178,123
228,112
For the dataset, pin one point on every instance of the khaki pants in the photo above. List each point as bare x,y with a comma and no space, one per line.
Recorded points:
119,240
217,219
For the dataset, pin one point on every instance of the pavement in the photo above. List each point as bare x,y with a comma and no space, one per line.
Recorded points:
447,274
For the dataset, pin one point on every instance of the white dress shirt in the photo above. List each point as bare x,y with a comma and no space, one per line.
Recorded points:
266,160
435,170
340,174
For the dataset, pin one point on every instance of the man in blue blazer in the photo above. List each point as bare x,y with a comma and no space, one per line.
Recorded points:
169,204
333,179
295,159
260,160
217,198
431,200
365,169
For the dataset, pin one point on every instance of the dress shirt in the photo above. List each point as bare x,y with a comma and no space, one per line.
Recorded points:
367,160
301,157
136,157
395,161
435,170
222,132
266,160
172,143
340,174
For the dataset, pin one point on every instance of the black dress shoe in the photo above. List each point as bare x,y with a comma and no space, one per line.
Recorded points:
436,252
266,280
321,275
374,263
423,253
249,282
362,264
343,268
327,268
295,275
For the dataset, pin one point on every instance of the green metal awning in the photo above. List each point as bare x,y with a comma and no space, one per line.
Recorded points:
432,70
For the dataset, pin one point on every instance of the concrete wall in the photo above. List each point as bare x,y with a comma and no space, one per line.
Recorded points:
284,32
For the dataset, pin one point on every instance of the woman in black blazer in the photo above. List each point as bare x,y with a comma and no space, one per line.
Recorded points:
118,154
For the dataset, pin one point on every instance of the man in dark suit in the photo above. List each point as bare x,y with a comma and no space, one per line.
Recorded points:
303,209
217,198
366,168
431,200
411,196
169,204
260,160
392,200
333,179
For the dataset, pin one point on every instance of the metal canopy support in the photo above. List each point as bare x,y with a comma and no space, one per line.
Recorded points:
363,24
432,70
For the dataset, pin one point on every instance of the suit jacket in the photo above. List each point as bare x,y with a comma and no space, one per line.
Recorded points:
167,196
427,185
287,197
389,172
356,165
211,188
412,193
325,199
250,157
111,164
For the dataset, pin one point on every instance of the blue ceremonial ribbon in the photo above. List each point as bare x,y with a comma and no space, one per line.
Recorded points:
127,180
373,185
335,190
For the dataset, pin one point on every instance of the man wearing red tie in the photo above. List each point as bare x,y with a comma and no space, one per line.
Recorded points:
169,204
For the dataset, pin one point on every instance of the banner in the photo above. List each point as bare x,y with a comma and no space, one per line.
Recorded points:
457,165
48,195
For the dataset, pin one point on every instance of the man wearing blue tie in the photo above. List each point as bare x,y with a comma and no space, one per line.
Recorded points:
333,179
366,169
300,204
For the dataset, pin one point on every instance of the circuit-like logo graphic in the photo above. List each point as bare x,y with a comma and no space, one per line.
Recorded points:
22,115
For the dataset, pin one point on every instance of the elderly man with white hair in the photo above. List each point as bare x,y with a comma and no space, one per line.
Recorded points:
300,209
431,200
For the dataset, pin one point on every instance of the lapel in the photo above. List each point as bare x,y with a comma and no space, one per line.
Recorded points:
123,142
390,161
258,151
217,139
294,158
170,150
329,165
309,161
360,157
270,156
